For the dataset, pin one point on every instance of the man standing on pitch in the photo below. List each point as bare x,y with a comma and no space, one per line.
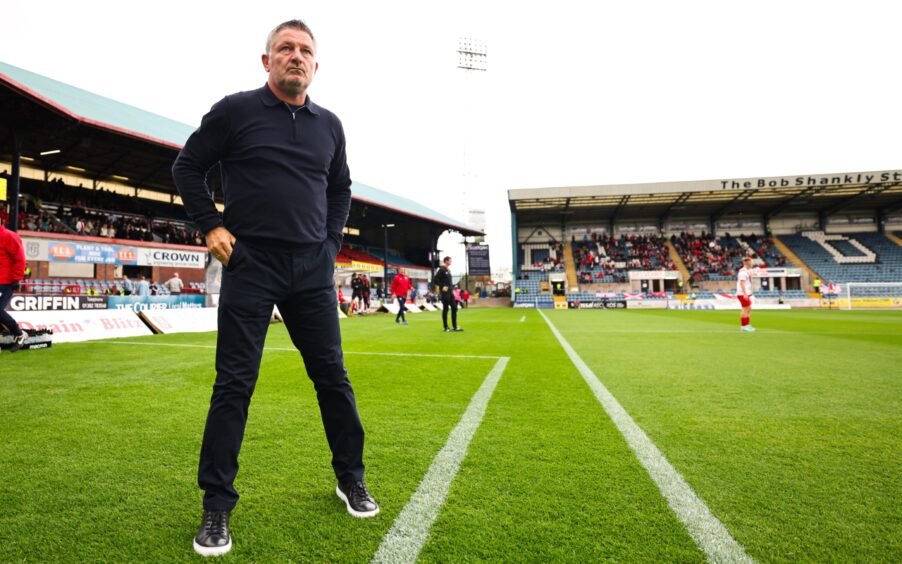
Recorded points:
400,286
12,271
287,193
744,293
442,280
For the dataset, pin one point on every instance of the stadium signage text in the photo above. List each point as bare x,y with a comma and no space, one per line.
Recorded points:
100,253
71,326
829,180
478,260
44,303
168,257
600,304
145,303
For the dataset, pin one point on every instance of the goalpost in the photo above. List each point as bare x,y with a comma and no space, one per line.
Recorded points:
873,294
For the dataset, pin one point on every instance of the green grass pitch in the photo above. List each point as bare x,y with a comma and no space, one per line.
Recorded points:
792,436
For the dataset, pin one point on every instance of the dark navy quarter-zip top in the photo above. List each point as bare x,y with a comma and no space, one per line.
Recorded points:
286,182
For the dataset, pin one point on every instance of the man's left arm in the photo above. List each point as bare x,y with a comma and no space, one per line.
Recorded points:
18,262
338,191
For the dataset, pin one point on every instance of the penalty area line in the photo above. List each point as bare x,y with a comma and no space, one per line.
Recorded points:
290,349
409,532
711,536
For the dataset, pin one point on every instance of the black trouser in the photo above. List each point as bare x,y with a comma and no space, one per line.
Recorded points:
402,307
6,294
301,284
448,302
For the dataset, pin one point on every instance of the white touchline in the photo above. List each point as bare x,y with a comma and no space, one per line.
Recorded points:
289,349
708,532
408,533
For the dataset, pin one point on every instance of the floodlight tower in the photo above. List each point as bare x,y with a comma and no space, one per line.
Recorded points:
472,57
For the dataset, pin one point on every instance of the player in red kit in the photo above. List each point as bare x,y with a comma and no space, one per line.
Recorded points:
12,271
400,287
744,293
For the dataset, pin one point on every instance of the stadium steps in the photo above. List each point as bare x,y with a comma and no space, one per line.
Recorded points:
894,238
570,267
795,260
681,266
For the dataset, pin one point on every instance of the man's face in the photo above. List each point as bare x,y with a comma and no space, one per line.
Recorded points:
291,61
448,263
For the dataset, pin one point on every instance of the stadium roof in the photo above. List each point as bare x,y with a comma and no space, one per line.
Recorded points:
89,108
106,138
825,194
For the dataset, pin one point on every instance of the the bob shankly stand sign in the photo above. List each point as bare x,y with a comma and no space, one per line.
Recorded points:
814,180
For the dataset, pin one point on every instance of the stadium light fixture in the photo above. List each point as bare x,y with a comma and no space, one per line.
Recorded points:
385,227
51,152
472,54
75,168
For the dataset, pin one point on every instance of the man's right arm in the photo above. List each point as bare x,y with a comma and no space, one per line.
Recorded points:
204,148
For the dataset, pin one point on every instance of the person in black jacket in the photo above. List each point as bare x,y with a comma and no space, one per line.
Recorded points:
442,280
357,288
287,193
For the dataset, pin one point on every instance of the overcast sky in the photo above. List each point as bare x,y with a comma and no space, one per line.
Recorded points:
577,93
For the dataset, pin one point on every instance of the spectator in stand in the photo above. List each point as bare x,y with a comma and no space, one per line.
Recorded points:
127,285
174,284
12,271
143,287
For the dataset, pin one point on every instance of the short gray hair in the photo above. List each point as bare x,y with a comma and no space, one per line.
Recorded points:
290,24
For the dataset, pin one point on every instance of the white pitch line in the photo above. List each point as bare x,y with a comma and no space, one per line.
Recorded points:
408,533
522,319
289,349
708,532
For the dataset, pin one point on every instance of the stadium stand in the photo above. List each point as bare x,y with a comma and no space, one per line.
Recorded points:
719,258
542,257
858,257
58,208
604,259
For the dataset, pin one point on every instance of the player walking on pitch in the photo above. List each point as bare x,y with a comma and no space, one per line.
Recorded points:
400,286
744,293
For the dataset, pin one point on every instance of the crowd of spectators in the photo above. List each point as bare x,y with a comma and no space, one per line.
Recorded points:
554,261
605,257
708,257
90,213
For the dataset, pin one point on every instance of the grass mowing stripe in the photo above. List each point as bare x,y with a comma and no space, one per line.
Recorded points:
707,531
290,349
408,533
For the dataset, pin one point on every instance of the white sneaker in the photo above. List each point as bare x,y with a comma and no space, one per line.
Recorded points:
18,342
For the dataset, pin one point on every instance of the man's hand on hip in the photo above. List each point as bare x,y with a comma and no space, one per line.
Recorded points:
219,243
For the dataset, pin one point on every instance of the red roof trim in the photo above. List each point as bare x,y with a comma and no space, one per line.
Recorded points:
108,241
